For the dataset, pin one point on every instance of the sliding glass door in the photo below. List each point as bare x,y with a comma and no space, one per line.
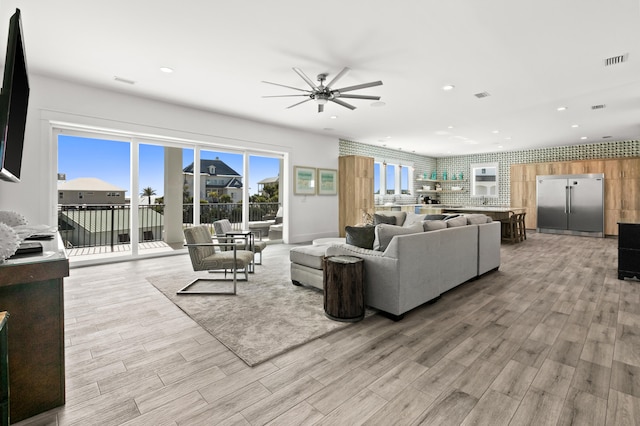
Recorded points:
125,196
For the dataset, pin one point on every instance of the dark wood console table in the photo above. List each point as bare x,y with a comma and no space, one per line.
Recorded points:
628,250
31,290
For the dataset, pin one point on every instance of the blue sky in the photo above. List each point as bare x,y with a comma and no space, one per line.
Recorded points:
110,161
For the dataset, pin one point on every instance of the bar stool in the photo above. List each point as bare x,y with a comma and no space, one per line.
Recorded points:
520,226
510,228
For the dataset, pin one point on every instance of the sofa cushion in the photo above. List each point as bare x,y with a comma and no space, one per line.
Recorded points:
433,225
400,217
413,218
456,221
360,236
477,219
384,233
311,256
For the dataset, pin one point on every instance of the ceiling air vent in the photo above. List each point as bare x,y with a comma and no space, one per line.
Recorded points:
601,106
482,95
615,60
123,80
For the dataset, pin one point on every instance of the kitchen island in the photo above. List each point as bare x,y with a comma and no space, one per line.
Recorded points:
495,212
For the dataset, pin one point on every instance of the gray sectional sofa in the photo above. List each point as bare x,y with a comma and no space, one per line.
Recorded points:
414,268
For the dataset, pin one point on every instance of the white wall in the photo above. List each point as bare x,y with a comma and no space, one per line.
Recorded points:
55,100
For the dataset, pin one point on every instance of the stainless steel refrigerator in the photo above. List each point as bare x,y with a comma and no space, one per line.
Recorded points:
571,204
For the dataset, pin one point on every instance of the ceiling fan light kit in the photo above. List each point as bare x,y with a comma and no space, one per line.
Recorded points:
322,93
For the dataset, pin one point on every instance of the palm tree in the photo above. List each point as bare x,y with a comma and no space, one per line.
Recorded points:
148,192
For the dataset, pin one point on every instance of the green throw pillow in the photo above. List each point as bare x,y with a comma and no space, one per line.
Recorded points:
380,218
361,236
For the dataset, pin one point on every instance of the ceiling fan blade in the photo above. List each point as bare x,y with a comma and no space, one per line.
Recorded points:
373,98
306,100
338,77
288,87
283,96
305,78
320,107
344,104
359,86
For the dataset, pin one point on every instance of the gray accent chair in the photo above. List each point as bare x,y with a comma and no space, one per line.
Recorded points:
209,256
226,234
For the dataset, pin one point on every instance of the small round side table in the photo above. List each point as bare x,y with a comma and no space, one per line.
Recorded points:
343,279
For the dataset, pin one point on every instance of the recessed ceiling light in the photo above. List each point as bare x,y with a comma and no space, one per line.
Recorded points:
378,104
496,131
574,125
562,108
448,87
333,117
450,127
166,69
583,138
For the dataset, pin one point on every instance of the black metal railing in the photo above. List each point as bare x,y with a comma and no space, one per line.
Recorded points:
209,213
95,225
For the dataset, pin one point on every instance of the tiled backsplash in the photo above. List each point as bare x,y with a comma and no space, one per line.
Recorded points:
462,163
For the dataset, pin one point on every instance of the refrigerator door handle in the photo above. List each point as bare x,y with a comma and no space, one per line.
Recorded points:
569,204
566,198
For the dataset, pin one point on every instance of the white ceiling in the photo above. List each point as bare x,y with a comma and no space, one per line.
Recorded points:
530,56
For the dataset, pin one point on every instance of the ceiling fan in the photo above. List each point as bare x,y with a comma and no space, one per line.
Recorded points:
323,94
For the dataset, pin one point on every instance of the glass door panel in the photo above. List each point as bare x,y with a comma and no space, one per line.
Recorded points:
264,195
220,187
161,203
94,178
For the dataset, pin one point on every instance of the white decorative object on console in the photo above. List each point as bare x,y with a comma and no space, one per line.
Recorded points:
9,241
12,218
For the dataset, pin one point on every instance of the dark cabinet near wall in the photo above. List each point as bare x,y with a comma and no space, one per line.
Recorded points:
628,250
31,291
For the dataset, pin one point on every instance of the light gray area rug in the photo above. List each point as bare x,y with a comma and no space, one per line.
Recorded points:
267,317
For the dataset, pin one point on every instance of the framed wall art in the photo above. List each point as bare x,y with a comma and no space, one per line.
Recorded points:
304,180
327,182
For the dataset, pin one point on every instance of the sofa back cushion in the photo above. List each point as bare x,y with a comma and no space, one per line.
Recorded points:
477,219
384,233
413,218
456,221
433,225
382,217
360,236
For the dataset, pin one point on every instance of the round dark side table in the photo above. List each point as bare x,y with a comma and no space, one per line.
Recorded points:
343,280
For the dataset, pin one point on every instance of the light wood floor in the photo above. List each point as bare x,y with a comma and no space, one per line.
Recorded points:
552,338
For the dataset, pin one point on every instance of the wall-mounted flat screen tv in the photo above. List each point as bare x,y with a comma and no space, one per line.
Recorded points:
14,99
